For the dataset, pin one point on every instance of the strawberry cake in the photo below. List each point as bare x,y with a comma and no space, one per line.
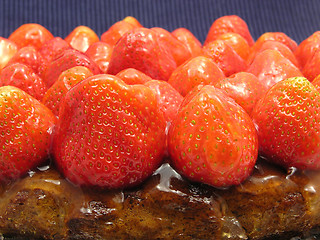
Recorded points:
143,133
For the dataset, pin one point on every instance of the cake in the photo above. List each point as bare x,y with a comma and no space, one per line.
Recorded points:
55,194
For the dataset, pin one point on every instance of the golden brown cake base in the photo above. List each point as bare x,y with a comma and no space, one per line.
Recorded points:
271,204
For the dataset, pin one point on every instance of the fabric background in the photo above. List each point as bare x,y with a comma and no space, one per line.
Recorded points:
297,18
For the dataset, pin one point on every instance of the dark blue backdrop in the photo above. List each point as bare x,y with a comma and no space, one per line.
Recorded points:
297,18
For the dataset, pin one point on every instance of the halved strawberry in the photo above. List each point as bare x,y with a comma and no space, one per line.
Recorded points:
109,134
213,140
25,133
287,119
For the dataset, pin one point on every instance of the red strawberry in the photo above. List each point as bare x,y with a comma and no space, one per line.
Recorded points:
100,53
307,47
116,31
275,36
81,38
287,119
199,70
7,50
244,88
311,68
25,129
231,23
53,48
133,76
169,99
110,135
282,48
28,56
270,66
237,42
142,49
316,83
30,34
132,20
23,77
68,59
67,79
225,57
212,140
179,51
189,40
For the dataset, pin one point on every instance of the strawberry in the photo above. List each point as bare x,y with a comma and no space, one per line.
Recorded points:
237,42
25,133
316,82
110,134
68,59
116,31
225,57
287,119
7,50
311,68
133,76
244,88
270,66
67,79
133,21
226,24
196,71
28,56
100,53
307,47
169,99
30,34
179,51
189,40
212,140
81,38
23,77
275,36
282,48
142,49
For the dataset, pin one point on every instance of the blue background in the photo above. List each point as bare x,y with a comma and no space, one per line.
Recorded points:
297,18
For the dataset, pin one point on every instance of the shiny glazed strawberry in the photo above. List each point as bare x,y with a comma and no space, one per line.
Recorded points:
287,120
311,68
316,83
23,77
81,38
111,135
199,70
142,49
270,66
7,50
28,56
231,23
100,53
133,76
67,79
68,59
213,140
30,34
227,59
189,40
25,133
244,88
